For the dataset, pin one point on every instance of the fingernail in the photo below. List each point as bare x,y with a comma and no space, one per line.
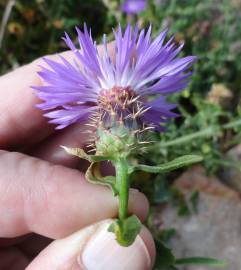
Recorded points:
102,252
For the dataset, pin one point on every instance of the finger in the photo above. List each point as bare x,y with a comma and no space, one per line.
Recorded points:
94,248
52,200
20,121
73,136
50,150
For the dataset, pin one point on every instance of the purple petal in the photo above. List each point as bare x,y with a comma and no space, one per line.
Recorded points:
65,117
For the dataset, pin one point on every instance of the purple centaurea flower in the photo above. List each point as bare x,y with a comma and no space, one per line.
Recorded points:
134,6
96,83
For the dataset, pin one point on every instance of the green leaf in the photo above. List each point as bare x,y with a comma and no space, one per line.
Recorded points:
170,166
126,231
201,260
165,258
81,154
94,176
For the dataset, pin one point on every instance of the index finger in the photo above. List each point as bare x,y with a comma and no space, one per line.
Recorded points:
53,201
20,121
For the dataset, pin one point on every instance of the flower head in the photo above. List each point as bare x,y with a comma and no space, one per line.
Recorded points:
134,6
115,89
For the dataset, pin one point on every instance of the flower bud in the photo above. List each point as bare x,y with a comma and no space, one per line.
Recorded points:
115,142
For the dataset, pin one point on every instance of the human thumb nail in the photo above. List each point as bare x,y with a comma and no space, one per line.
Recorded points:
102,252
94,248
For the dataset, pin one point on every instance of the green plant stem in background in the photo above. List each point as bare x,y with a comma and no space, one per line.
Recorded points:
201,261
232,124
122,182
5,18
200,134
187,138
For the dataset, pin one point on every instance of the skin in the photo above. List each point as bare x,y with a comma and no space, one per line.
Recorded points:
42,195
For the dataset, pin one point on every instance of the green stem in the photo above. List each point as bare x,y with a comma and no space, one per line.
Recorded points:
187,138
232,124
125,228
199,134
122,181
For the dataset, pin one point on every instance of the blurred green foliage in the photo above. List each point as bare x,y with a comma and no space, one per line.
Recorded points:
35,27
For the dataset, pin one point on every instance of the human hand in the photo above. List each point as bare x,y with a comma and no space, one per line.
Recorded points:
43,198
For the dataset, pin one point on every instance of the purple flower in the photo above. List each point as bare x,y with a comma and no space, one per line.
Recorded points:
134,6
94,82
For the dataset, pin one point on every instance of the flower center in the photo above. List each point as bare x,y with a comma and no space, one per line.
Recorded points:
120,106
116,99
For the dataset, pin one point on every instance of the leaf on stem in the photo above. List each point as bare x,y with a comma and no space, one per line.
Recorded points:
93,175
81,154
170,166
126,230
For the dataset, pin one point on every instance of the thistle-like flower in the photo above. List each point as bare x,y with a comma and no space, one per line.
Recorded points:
113,93
96,83
134,6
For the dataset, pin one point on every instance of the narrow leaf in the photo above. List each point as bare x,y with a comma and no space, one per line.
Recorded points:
170,166
94,176
201,260
81,154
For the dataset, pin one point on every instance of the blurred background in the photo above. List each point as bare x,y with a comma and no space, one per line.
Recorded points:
196,211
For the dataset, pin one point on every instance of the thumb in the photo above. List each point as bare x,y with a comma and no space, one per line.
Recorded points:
94,248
